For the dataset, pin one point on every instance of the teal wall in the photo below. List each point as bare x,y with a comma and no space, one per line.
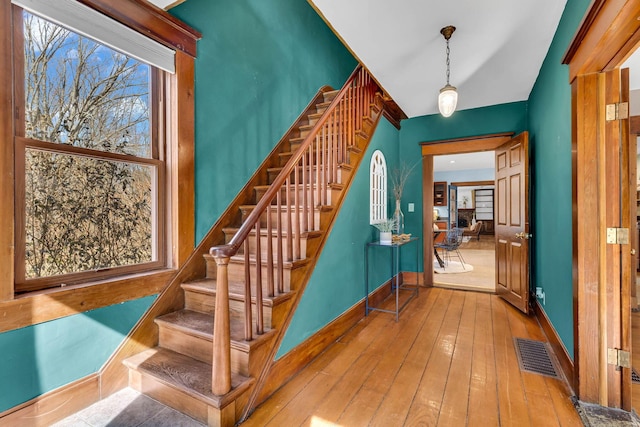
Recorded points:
550,142
43,357
259,64
337,282
510,117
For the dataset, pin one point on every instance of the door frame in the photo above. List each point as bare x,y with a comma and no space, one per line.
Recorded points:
609,33
429,149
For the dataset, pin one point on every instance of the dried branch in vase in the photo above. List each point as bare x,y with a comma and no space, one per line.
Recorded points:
399,176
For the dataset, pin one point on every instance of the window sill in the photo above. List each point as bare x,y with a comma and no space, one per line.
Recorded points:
42,306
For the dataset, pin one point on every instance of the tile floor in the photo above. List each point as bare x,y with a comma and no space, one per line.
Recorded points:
128,408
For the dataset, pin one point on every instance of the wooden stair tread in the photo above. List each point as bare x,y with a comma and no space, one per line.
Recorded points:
186,374
201,325
236,291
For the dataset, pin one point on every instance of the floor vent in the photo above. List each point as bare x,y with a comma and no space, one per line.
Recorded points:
535,357
634,376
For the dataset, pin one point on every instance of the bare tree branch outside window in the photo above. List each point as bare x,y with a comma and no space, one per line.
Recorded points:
84,212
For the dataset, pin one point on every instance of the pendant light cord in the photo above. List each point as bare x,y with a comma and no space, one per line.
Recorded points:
448,62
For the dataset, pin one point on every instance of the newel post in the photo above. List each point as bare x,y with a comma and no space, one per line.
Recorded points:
221,365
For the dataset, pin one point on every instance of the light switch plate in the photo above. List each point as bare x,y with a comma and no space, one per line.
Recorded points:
411,207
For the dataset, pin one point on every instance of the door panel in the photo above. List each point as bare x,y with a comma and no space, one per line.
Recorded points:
501,188
515,214
512,227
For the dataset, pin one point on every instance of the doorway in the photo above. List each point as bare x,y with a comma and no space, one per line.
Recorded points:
470,178
430,150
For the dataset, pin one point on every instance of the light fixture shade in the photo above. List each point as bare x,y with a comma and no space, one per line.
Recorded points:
447,100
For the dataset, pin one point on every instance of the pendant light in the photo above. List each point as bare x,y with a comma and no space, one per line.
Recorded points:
448,97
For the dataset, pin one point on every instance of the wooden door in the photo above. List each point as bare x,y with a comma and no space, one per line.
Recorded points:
512,221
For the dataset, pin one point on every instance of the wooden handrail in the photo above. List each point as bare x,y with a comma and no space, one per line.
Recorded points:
231,248
306,179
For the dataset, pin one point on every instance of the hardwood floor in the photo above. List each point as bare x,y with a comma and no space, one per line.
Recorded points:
449,361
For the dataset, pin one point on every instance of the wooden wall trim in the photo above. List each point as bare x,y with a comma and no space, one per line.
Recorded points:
473,183
587,21
151,21
295,360
586,274
607,36
55,405
465,145
392,111
6,159
566,364
182,158
56,303
427,219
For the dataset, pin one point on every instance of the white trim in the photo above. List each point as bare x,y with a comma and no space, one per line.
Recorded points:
85,21
377,188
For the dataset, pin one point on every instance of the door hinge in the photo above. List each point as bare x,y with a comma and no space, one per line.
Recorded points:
619,358
617,236
617,111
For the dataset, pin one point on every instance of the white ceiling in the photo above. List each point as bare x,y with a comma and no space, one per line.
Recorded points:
496,50
468,161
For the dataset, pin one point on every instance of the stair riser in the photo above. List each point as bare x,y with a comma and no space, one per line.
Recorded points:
236,274
331,196
204,303
264,247
348,158
317,217
330,96
295,143
185,403
199,348
342,174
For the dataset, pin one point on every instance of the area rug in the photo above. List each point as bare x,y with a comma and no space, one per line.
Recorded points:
452,267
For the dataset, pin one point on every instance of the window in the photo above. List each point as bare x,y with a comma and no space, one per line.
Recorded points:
378,188
89,167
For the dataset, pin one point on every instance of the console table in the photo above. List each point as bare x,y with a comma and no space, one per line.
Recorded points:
394,257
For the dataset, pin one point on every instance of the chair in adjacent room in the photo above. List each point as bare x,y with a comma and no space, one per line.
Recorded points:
450,246
474,230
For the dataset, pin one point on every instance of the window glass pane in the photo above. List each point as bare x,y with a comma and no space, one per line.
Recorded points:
81,93
85,214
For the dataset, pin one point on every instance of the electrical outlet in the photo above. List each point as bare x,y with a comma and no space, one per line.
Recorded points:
540,294
411,207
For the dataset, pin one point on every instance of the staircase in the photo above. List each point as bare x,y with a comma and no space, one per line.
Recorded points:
213,354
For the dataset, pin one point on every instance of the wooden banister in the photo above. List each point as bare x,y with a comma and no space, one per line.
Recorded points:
305,182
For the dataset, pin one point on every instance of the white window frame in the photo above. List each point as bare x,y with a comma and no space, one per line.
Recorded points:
377,188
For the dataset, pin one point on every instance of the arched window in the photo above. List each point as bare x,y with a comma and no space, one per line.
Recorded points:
378,188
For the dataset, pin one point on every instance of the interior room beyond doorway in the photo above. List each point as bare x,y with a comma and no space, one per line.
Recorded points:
463,198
